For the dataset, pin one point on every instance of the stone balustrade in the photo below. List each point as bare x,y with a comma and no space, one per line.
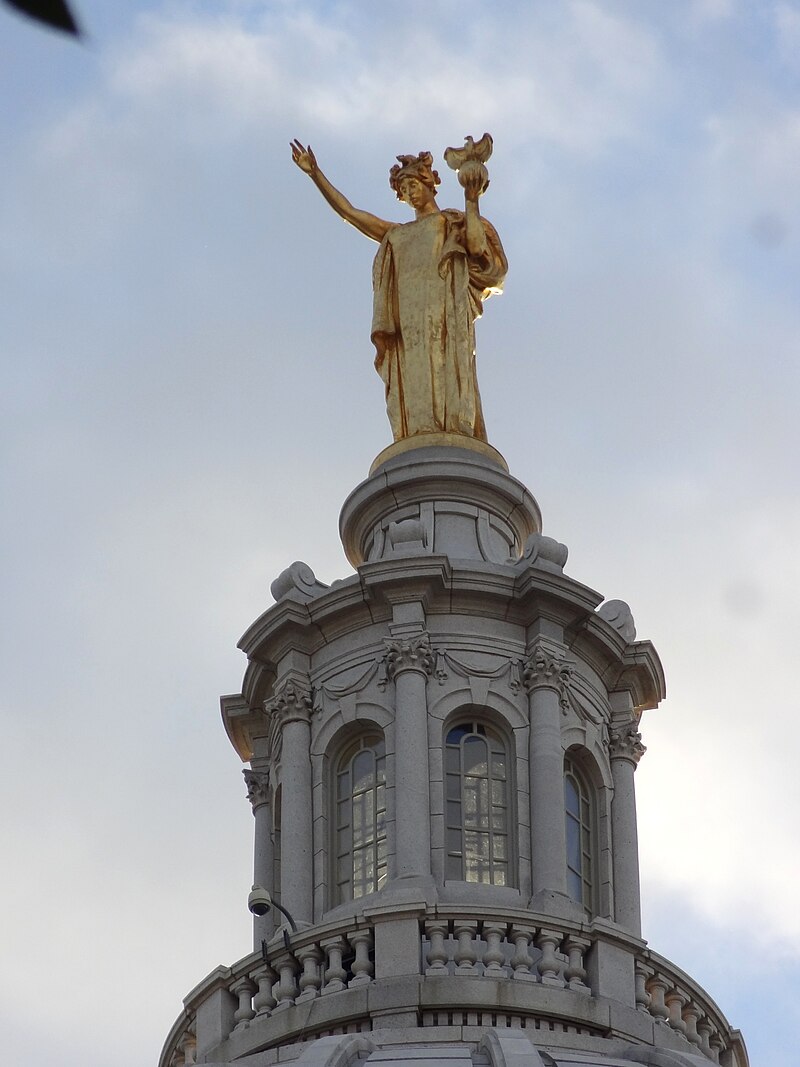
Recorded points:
676,1002
520,967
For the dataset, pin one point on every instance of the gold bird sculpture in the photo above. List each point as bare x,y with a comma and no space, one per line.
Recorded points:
470,153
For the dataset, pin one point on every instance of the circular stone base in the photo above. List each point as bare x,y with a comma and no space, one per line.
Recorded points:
438,440
453,499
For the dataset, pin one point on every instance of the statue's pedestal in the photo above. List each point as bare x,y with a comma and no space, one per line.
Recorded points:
446,499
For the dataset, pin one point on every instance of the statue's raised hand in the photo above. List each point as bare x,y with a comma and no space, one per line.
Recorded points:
303,157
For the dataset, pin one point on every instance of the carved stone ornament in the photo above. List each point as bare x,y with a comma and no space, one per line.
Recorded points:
625,742
546,667
290,702
257,783
409,654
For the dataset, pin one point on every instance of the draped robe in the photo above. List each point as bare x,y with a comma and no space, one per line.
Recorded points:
428,291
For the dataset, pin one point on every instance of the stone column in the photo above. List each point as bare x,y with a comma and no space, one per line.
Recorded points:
625,750
409,662
547,676
258,793
290,712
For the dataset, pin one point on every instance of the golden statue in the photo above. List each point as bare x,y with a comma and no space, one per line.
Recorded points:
430,278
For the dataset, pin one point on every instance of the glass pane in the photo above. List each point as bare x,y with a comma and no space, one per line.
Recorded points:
363,770
452,758
455,735
571,798
575,886
453,813
454,840
343,785
573,844
499,765
476,756
499,794
453,787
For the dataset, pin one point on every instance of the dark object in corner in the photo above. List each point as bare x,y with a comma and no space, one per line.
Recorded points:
55,13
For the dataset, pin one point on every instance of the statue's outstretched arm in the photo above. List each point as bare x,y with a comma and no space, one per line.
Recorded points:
368,224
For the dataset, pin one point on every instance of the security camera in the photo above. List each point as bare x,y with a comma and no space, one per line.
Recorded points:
259,901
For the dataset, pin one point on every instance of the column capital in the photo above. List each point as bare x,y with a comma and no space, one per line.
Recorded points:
546,667
409,654
625,742
291,701
257,783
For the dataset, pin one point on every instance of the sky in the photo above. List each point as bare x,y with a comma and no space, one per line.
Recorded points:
188,398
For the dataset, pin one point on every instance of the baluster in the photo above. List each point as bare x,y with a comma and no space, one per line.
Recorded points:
465,956
188,1046
675,1001
362,968
575,972
264,1001
493,957
522,961
643,998
717,1046
657,987
335,975
549,966
690,1016
704,1029
437,957
310,980
243,989
286,989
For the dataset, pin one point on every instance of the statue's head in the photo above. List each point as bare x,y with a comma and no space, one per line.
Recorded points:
419,167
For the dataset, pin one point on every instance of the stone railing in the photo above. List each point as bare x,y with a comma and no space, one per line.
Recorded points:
675,1001
528,968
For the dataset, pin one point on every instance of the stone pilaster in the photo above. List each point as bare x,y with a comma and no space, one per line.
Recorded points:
625,750
260,797
409,663
547,676
290,714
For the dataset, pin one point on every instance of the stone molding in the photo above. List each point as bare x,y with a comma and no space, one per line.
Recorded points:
257,783
547,667
447,663
409,654
625,742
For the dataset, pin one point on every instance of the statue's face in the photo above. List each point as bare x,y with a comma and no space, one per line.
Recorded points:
415,192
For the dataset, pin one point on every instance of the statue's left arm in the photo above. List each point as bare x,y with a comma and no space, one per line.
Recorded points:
475,237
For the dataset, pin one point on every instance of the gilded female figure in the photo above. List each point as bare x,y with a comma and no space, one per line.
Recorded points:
429,279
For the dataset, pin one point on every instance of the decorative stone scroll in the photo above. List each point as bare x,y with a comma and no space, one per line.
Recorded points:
547,667
545,553
297,582
618,615
257,783
625,742
409,654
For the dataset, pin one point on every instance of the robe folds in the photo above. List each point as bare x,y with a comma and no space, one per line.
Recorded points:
427,293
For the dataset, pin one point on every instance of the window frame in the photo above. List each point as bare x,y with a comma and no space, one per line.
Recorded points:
585,824
374,846
459,866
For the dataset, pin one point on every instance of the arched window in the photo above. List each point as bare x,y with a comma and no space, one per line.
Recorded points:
360,818
579,814
477,805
